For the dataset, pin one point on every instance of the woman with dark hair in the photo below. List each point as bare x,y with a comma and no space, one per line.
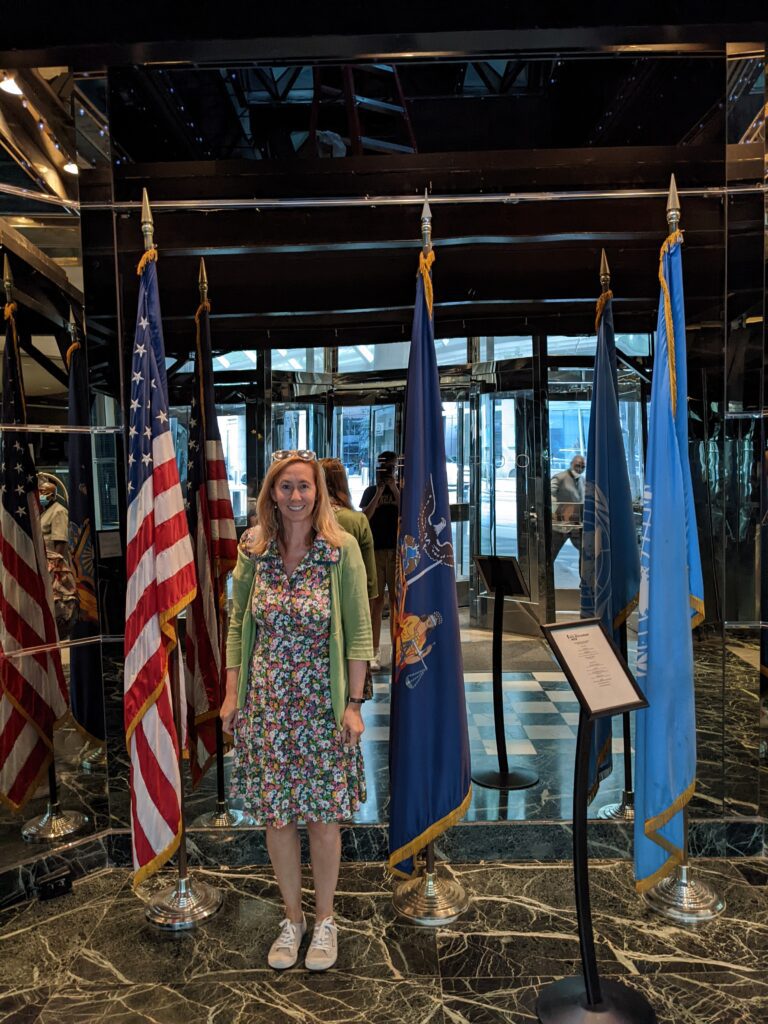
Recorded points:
352,521
298,643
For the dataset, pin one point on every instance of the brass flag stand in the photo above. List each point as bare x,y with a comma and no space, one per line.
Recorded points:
222,816
54,823
186,903
427,899
680,896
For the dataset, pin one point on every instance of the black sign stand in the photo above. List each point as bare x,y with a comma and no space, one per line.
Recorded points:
587,999
503,578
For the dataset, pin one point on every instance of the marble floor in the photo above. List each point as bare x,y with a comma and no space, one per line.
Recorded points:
540,716
90,956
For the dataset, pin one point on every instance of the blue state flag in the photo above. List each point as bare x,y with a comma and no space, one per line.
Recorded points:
671,599
429,769
85,685
610,567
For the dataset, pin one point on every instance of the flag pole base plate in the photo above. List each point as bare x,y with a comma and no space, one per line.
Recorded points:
625,811
684,899
184,905
515,778
223,817
95,760
429,900
565,1002
54,824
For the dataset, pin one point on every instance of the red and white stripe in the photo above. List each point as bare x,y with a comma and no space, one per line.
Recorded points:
215,556
161,582
33,692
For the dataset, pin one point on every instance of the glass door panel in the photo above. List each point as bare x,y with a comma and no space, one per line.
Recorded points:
508,519
298,425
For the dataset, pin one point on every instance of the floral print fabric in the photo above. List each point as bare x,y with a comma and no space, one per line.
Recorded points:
290,762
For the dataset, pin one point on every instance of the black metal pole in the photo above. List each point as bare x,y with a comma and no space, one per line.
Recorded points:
498,696
581,864
430,865
176,704
53,786
625,719
220,794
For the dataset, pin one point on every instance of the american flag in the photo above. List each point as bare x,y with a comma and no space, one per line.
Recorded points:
33,693
212,527
161,582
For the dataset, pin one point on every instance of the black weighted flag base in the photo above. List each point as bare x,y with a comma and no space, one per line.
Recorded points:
565,1002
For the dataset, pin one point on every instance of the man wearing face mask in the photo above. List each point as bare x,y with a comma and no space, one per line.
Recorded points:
568,505
54,522
54,518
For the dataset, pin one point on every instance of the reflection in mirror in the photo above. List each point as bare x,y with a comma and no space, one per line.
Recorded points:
70,671
743,426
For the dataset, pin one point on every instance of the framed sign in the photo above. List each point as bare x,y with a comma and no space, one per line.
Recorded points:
594,667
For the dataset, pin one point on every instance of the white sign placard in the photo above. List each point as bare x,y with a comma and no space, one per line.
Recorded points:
596,670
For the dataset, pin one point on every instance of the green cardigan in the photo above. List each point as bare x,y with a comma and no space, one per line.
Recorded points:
350,634
357,524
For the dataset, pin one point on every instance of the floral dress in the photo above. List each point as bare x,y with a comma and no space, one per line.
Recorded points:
290,762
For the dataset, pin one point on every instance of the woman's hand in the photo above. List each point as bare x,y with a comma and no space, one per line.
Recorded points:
352,727
228,712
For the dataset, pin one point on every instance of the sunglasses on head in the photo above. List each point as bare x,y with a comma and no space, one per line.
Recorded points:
294,453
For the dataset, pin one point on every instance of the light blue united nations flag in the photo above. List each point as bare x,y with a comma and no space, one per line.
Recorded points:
671,599
610,567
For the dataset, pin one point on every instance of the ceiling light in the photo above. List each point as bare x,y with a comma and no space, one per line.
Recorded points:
71,168
9,85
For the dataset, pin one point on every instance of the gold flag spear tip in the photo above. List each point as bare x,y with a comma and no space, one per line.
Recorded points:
202,280
147,224
426,225
673,205
605,271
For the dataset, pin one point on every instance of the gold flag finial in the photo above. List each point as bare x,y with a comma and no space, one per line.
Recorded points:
673,206
7,279
426,225
605,272
147,224
202,280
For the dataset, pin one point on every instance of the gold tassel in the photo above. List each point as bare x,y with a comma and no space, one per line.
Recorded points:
70,351
149,256
675,237
425,265
605,296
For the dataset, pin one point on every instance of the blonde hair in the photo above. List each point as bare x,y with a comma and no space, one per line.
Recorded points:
270,522
336,481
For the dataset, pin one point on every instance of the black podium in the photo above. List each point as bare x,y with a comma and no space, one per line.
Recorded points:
502,578
604,686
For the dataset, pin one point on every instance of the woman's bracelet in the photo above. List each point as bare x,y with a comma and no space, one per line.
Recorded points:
356,700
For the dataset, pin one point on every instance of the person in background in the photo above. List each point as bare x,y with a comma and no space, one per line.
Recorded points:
568,505
381,504
357,524
352,521
54,518
298,643
54,523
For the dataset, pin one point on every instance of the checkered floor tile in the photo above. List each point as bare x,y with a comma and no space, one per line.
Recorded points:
538,706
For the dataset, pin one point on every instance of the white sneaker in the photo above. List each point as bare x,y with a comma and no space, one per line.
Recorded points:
323,949
284,951
375,661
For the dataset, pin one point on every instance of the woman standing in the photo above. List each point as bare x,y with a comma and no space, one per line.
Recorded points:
350,519
299,639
